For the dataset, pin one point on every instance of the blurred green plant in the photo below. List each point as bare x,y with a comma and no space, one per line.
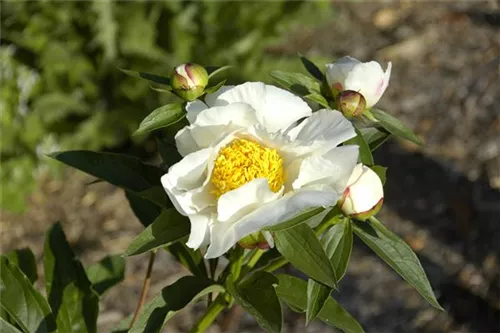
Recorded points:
58,66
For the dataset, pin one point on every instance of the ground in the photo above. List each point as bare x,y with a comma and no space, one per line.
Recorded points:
443,199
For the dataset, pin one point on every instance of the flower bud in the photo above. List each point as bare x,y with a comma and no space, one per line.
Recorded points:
262,240
364,194
351,103
189,81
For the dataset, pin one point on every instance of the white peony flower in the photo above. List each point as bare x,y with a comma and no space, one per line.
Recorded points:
366,78
247,164
364,194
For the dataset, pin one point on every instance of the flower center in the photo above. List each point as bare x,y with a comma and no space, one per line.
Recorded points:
242,161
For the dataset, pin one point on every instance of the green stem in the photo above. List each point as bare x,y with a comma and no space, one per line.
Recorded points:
209,316
274,265
255,258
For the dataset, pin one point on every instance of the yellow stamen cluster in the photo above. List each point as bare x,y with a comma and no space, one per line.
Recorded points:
242,161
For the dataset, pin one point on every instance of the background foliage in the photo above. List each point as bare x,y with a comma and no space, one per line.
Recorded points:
58,66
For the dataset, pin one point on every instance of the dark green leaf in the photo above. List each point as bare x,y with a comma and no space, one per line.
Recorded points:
168,152
397,254
124,171
214,70
5,327
394,126
145,210
337,242
301,247
25,260
106,273
375,137
148,76
161,117
214,88
298,83
192,259
21,301
169,227
172,299
293,291
381,172
312,68
74,303
317,98
257,295
301,218
365,154
317,295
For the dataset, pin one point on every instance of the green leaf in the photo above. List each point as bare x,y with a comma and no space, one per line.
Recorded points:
124,171
74,303
317,98
381,172
312,68
296,220
298,83
214,70
19,298
317,296
301,247
365,154
168,152
145,210
165,81
375,137
257,295
169,227
214,88
394,126
106,273
337,242
172,299
25,260
192,259
397,254
161,117
5,327
293,291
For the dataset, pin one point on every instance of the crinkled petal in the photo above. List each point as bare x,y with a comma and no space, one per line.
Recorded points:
332,168
276,108
369,80
225,235
193,109
239,202
200,230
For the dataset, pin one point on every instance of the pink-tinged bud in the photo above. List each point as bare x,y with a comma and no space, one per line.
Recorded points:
189,81
351,103
263,240
364,194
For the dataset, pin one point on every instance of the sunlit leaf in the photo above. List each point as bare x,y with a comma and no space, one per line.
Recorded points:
161,117
106,273
395,126
25,260
165,81
301,218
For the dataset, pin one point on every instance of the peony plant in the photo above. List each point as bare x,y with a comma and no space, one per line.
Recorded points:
256,176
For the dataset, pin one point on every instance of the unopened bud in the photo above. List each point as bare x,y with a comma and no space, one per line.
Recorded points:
262,240
351,103
364,194
189,81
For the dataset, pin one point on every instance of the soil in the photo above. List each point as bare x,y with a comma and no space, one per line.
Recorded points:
443,199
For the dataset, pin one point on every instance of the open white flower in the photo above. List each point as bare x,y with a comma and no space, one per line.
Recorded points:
247,164
366,78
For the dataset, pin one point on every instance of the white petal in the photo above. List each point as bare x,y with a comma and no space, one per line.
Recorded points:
366,191
211,98
185,142
276,108
206,136
193,109
338,71
200,231
239,114
225,235
332,168
269,238
368,79
239,202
